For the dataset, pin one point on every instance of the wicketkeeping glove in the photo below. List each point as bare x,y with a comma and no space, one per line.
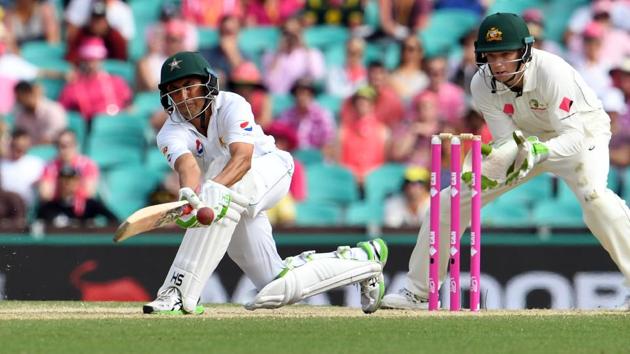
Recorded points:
531,152
496,158
189,219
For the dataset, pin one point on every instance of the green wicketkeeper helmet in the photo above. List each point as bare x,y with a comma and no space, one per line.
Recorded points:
185,64
501,32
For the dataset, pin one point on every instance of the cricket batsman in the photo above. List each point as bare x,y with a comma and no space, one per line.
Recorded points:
224,161
543,118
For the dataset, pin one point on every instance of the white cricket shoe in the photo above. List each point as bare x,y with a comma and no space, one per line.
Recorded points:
404,300
168,302
373,289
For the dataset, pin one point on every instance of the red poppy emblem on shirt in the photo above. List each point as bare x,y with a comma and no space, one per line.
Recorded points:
245,125
566,104
508,109
199,147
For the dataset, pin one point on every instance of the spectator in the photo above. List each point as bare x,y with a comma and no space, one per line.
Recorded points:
284,212
93,90
67,208
155,33
167,191
41,117
32,20
451,99
313,125
363,138
119,17
247,82
344,81
399,19
12,210
408,79
226,55
292,61
208,13
68,155
535,23
98,26
465,67
270,12
620,119
408,208
388,108
347,13
172,41
591,64
413,135
20,172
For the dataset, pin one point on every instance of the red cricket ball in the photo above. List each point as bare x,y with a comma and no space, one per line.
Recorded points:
205,215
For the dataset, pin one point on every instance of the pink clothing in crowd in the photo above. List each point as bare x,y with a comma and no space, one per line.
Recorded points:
43,125
298,187
315,128
451,102
257,12
96,94
388,108
86,168
282,70
363,145
208,13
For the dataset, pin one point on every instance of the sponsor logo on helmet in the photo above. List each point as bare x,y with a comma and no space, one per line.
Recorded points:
246,126
175,64
537,106
494,34
199,147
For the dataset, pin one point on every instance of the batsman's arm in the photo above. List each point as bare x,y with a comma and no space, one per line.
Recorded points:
188,171
240,162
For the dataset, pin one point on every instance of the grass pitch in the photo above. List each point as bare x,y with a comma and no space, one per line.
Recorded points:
79,327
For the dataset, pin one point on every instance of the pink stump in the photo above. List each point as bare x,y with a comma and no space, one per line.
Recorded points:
434,233
454,266
475,226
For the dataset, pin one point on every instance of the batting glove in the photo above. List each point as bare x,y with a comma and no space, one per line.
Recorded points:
188,219
531,152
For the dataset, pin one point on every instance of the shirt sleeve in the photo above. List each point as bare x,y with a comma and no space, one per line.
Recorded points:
172,144
562,92
238,124
499,122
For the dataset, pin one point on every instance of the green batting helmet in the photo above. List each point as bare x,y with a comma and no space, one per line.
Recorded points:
185,64
503,31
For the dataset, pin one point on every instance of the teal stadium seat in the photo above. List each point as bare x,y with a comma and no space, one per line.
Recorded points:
614,178
331,103
317,214
156,162
40,52
538,189
384,181
146,103
145,13
126,189
365,213
77,124
331,183
323,37
517,6
45,152
559,213
280,103
445,28
254,41
121,68
504,212
208,37
308,156
371,14
117,140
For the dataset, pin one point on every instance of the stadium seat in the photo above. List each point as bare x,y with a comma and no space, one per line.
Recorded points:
45,152
441,35
126,189
371,14
146,103
335,56
156,162
39,52
52,87
558,213
76,123
117,140
208,37
516,7
384,181
365,213
121,68
256,40
331,183
317,214
331,103
388,54
537,189
323,37
308,156
280,103
505,212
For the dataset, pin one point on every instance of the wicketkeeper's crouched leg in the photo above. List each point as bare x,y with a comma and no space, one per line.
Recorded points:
311,273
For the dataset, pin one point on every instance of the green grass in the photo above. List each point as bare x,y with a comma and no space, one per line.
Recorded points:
62,327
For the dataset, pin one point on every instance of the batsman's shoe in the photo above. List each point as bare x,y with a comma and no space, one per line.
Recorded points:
373,289
404,300
169,302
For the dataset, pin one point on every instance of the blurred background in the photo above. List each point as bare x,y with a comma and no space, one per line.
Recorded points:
354,89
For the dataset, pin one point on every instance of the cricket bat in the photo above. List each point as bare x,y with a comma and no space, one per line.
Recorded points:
149,218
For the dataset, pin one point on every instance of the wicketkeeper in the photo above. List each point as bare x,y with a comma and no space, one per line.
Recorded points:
226,162
544,118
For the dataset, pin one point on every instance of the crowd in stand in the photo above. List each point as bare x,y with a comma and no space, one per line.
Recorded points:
362,111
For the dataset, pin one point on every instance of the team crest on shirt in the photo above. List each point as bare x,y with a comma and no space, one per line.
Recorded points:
199,147
537,106
246,126
494,34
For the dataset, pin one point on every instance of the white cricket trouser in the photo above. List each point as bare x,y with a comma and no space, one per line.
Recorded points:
586,173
